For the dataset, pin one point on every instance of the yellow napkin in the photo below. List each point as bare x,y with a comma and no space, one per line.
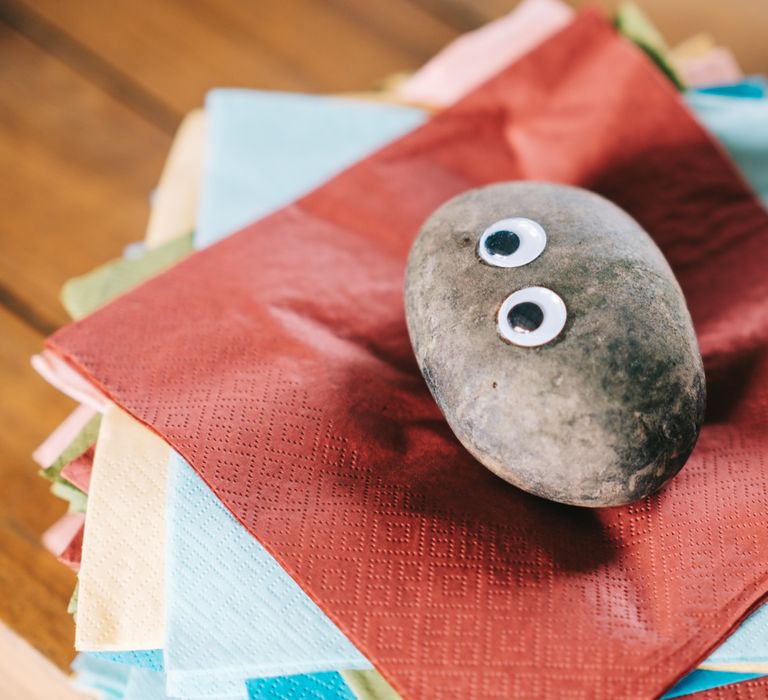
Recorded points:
369,685
741,667
121,581
121,596
694,46
174,204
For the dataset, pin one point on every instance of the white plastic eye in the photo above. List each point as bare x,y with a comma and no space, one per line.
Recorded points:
512,242
531,316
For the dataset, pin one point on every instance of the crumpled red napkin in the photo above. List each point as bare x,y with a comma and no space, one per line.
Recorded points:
277,363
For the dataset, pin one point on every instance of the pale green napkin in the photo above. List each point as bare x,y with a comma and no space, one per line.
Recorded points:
82,295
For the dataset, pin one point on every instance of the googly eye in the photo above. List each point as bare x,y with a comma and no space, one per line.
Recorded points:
512,242
531,316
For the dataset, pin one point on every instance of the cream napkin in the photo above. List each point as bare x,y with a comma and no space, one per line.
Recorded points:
121,592
174,204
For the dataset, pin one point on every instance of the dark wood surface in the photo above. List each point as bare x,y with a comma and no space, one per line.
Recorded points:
90,96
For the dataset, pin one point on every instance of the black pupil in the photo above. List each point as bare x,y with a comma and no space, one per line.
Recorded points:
502,243
525,317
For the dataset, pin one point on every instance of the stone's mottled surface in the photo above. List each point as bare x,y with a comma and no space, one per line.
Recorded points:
606,412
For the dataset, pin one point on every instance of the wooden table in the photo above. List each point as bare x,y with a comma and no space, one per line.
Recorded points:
90,96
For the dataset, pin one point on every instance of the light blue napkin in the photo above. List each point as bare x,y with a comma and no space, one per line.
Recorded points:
753,87
144,684
124,679
328,686
748,644
697,681
265,149
232,611
149,659
104,678
741,126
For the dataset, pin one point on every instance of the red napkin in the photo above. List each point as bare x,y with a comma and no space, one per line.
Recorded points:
73,552
277,363
78,471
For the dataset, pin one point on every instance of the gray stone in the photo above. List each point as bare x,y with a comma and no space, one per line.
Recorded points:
605,412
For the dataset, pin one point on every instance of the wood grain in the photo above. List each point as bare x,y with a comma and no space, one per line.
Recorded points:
34,586
301,44
80,168
739,24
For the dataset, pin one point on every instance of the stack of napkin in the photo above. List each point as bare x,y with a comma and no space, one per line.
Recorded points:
264,500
